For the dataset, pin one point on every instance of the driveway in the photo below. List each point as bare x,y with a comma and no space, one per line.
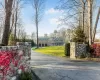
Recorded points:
53,68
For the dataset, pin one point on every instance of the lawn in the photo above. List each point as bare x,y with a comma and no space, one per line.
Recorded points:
52,50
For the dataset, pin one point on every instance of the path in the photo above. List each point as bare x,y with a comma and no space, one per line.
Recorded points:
53,68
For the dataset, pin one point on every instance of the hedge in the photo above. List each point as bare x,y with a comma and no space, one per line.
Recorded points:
96,50
67,49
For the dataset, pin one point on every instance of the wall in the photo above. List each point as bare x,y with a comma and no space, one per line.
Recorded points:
77,49
26,47
16,59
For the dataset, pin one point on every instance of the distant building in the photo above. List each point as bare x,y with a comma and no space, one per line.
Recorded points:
56,41
57,38
43,41
50,41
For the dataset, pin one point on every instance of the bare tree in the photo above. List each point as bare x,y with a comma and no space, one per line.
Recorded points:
38,6
21,34
95,26
82,12
1,23
90,18
33,36
8,12
17,6
83,2
75,11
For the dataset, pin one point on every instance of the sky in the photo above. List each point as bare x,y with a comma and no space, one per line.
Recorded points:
48,24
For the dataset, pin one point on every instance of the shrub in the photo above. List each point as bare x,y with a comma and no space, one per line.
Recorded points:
83,55
11,40
79,35
89,50
95,50
67,49
25,76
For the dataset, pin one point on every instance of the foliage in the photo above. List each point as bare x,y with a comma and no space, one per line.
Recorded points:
83,55
79,35
27,40
25,76
67,49
52,50
11,40
96,50
18,62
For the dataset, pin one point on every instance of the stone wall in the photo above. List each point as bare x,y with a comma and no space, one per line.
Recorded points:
80,49
18,63
26,47
77,49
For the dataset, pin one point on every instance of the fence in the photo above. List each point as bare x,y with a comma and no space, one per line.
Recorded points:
13,61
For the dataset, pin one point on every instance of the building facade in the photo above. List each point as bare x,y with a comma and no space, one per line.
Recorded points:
50,41
43,41
56,41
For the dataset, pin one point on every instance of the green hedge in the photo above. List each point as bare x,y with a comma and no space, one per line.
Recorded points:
67,49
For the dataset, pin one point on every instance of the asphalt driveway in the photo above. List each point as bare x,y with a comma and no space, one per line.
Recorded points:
53,68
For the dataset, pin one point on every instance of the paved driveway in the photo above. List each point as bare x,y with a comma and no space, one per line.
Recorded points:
53,68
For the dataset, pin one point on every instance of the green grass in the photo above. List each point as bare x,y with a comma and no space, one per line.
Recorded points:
52,50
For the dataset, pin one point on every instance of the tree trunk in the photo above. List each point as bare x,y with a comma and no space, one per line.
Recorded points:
16,18
90,20
37,35
95,27
8,11
37,28
83,14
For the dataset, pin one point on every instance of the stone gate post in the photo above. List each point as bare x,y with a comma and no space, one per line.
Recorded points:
26,47
72,50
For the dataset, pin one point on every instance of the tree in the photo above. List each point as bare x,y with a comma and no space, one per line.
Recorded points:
90,5
95,26
8,12
82,12
22,34
12,9
79,35
17,6
1,22
11,40
38,6
74,10
75,13
33,36
63,33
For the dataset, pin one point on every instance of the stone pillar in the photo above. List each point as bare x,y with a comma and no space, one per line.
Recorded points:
26,47
72,50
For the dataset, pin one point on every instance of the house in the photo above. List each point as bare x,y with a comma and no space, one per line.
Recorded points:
50,41
43,41
56,41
